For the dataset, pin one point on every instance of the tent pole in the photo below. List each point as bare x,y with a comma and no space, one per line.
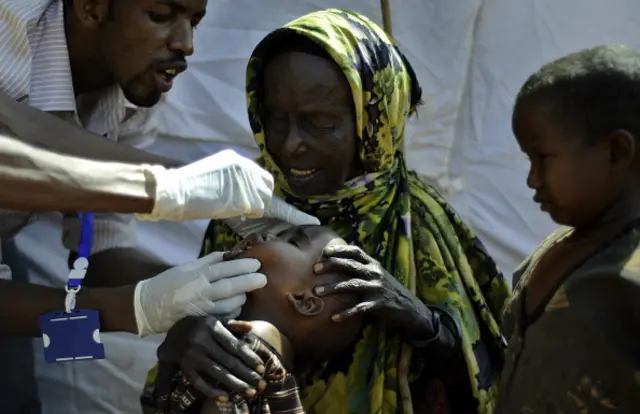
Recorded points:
386,16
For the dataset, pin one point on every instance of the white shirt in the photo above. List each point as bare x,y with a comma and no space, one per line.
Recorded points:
34,68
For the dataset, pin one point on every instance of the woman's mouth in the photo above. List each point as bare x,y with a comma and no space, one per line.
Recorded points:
302,173
301,176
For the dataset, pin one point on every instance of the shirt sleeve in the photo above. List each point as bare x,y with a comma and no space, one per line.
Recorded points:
5,271
11,222
110,231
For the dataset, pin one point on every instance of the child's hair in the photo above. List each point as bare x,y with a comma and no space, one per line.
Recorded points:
596,90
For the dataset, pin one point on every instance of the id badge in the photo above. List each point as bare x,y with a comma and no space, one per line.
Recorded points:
71,336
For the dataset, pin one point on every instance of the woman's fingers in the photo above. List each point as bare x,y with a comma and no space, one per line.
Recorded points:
235,347
359,309
241,373
340,265
198,382
214,353
205,348
207,373
356,286
239,327
347,252
230,382
164,386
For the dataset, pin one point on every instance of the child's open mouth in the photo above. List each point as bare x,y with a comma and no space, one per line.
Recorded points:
246,245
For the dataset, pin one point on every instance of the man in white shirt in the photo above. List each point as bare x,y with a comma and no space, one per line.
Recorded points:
95,63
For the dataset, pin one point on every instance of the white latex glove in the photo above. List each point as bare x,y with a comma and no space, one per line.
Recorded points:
220,186
278,217
207,286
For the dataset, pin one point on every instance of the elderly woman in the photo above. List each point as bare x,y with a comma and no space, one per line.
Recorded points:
328,98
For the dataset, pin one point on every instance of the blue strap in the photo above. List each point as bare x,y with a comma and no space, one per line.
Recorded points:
85,244
86,235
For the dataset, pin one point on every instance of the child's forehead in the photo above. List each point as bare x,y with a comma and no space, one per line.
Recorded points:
536,126
311,231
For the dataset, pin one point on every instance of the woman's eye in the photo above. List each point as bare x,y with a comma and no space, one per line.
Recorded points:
321,122
293,242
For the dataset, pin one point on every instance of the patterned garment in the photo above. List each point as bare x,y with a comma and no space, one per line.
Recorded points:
395,218
579,350
281,395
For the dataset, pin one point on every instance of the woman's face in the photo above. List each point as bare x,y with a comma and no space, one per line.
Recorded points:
309,123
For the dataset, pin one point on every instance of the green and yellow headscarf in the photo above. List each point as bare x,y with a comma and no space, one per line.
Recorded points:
394,217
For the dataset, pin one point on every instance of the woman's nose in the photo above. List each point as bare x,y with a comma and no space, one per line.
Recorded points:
293,143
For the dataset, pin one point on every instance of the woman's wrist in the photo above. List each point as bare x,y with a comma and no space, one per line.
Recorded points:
435,334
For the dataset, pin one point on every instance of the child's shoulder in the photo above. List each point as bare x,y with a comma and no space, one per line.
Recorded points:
549,241
620,259
616,267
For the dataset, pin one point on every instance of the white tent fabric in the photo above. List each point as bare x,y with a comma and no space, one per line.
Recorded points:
470,55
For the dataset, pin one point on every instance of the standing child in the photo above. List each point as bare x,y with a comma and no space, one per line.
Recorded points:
573,323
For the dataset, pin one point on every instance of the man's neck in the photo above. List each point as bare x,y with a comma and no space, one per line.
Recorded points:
88,67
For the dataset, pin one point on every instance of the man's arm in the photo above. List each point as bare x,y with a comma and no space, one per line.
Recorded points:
43,130
23,303
36,180
120,267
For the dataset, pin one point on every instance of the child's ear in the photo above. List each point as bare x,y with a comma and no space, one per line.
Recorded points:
306,302
622,148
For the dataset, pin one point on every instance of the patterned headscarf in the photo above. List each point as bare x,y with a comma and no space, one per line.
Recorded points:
394,217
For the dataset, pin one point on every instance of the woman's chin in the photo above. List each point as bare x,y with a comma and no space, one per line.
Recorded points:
315,188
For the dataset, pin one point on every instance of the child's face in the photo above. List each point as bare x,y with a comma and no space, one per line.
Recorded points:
572,179
288,300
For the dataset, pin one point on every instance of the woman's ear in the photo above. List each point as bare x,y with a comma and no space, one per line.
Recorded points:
306,302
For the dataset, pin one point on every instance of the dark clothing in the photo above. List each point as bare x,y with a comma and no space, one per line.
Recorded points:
573,340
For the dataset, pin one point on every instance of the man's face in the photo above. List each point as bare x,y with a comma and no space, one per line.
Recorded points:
146,42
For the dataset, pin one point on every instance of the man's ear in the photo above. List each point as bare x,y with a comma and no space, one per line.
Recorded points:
306,302
91,13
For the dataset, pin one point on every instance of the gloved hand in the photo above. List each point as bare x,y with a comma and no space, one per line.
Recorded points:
220,186
207,286
278,217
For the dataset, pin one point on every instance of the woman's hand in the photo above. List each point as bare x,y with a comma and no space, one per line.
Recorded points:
381,295
214,360
175,392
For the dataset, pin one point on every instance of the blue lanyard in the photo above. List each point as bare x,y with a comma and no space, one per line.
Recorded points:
74,334
84,246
